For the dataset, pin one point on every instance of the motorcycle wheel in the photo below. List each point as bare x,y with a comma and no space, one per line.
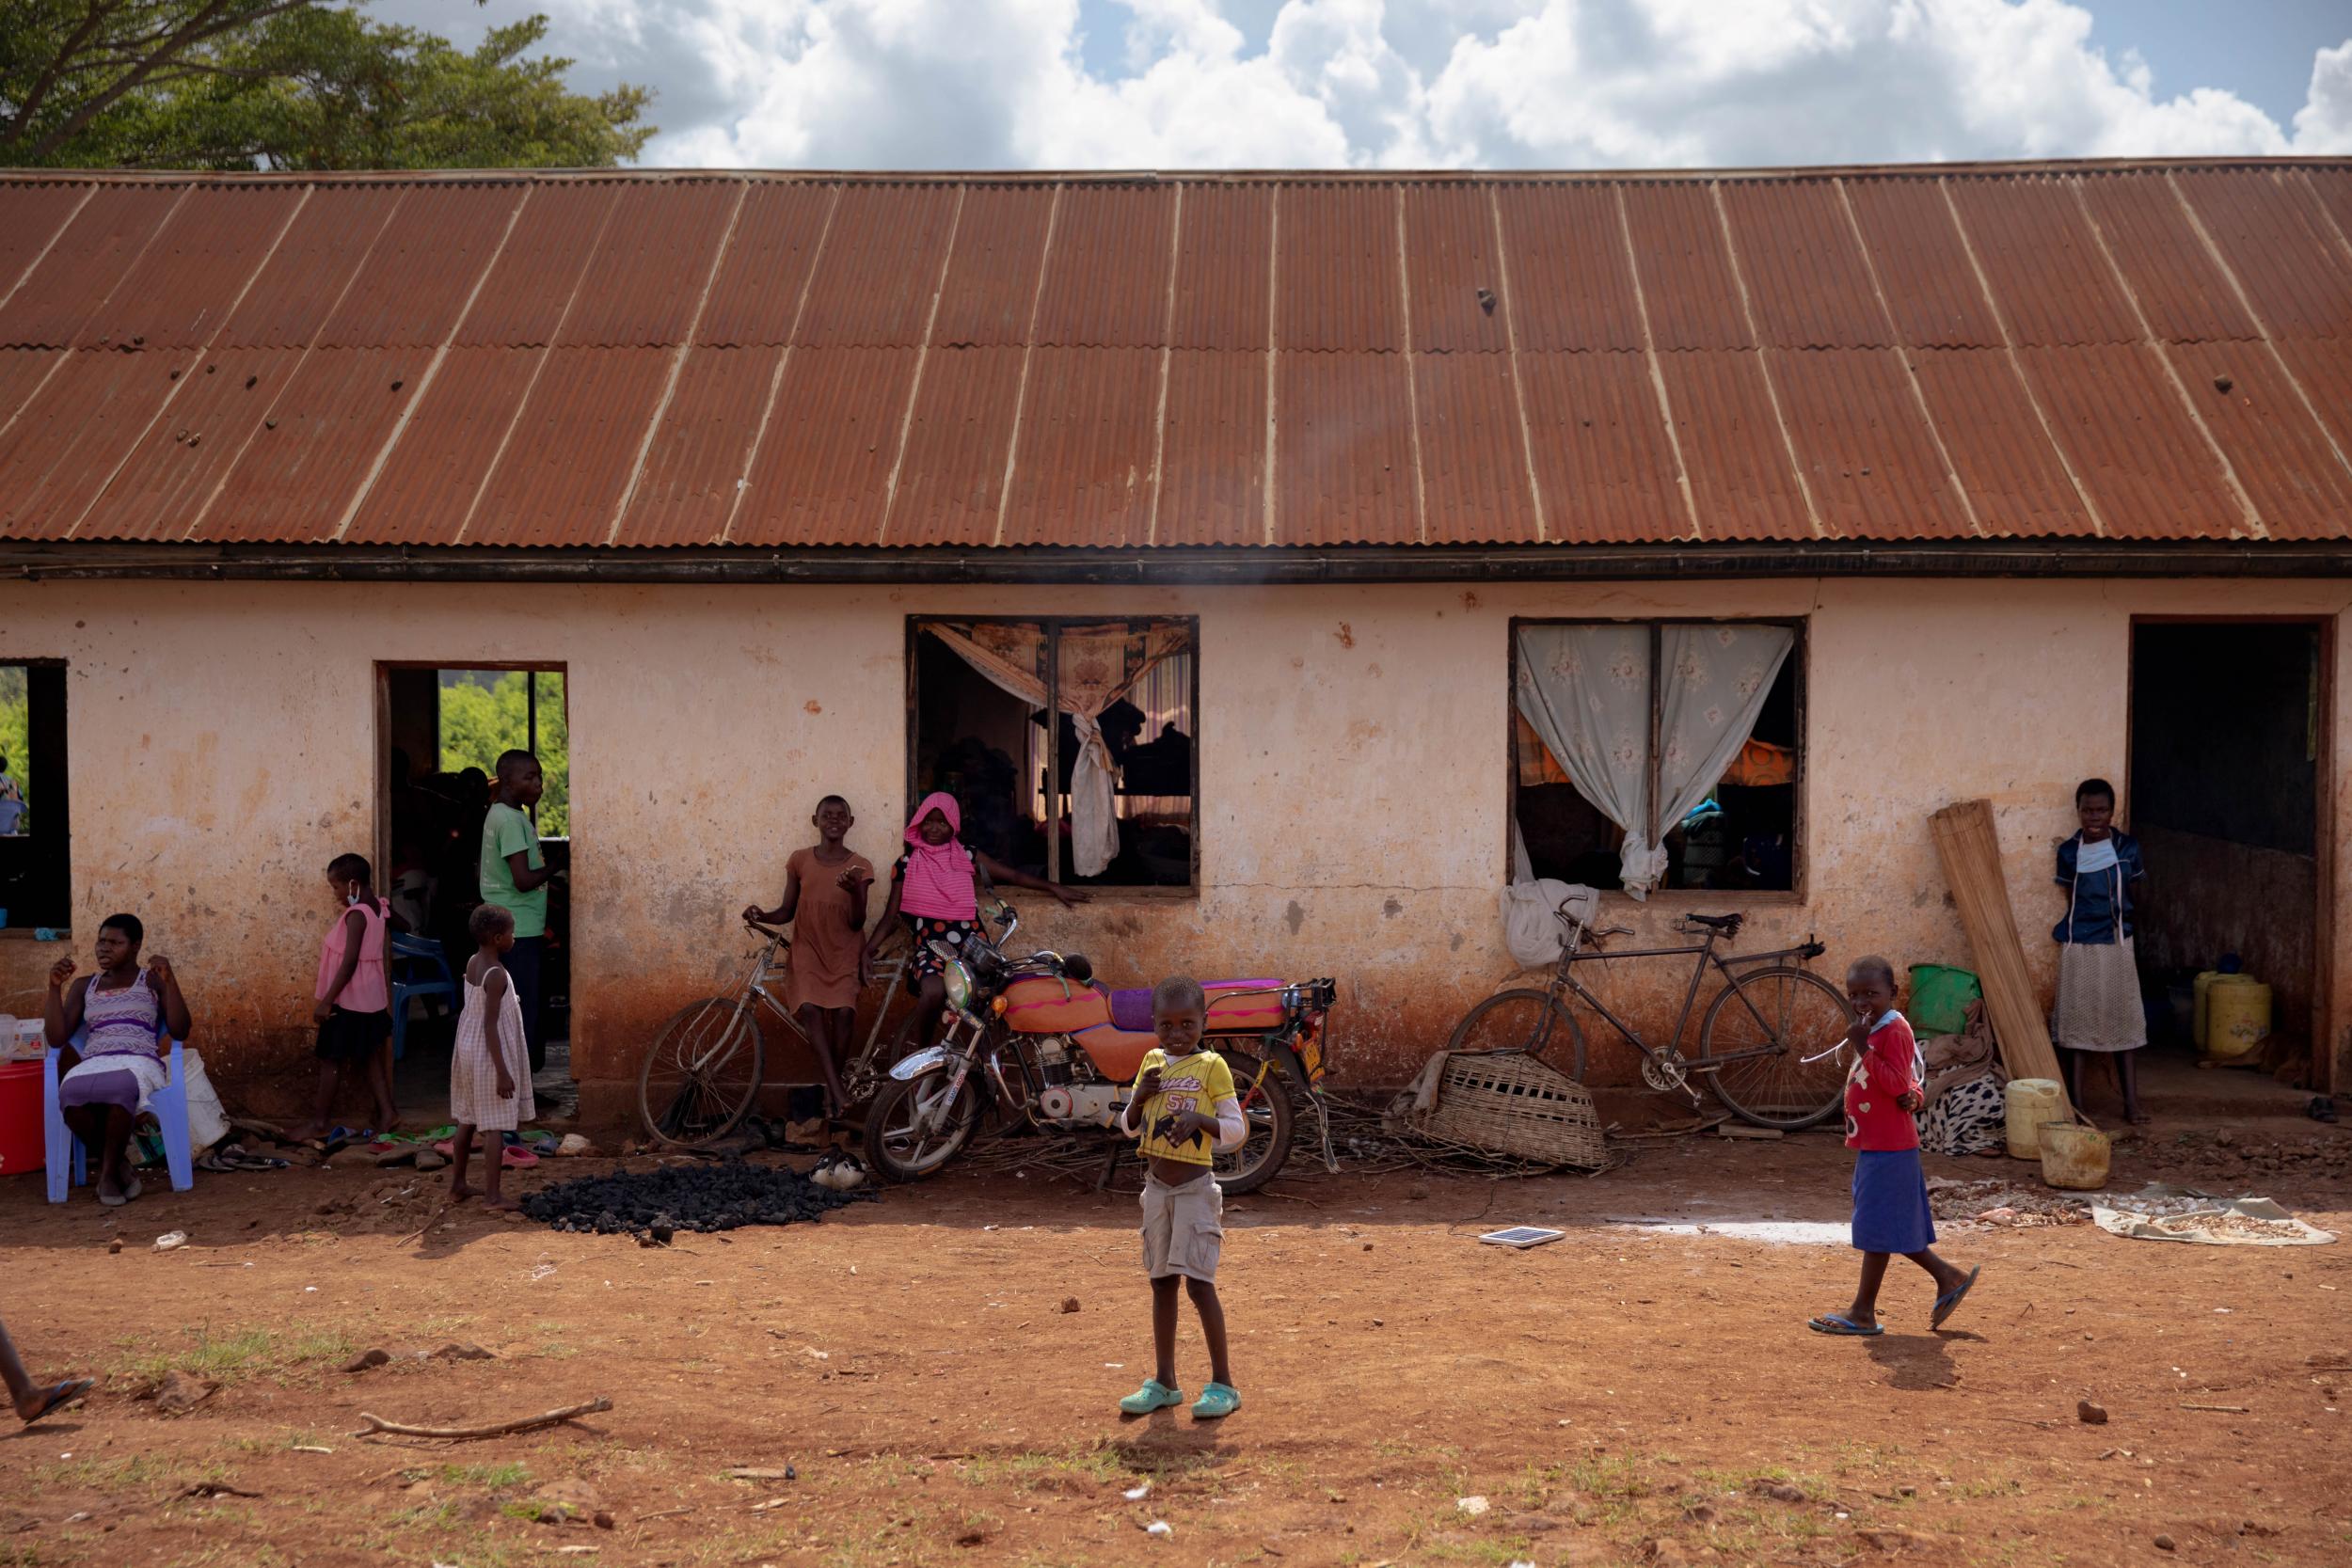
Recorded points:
899,1151
1269,1117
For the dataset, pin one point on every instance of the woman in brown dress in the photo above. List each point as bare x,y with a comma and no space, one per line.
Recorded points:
824,898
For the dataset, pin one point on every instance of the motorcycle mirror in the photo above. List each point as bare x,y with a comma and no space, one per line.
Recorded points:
1076,967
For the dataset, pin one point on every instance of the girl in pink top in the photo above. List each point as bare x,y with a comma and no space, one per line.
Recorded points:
354,1010
934,888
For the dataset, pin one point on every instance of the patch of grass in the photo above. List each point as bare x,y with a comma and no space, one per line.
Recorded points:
493,1475
233,1357
1080,1467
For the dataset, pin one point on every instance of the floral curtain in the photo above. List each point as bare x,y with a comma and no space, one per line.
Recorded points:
1098,665
1716,678
1586,690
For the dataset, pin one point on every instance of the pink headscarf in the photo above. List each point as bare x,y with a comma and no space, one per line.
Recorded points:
939,881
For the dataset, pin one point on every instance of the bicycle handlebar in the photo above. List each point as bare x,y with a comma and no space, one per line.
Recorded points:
770,934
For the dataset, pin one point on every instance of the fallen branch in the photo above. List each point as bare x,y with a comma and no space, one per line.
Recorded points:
554,1417
2224,1409
213,1489
661,1513
745,1472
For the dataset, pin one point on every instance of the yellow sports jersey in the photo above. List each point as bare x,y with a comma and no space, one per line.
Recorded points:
1194,1083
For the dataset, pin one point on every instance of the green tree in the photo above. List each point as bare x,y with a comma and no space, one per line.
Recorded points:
290,85
484,713
16,742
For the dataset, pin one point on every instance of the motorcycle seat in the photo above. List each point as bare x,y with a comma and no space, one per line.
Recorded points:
1131,1010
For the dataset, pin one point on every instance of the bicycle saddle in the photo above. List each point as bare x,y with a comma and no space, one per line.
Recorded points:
1720,922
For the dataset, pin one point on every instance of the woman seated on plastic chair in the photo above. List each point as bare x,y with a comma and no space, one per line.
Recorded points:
121,1062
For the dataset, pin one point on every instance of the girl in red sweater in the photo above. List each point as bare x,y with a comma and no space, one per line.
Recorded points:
1890,1190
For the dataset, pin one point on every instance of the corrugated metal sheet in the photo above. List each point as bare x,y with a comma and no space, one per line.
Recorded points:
66,442
1867,452
181,290
1213,448
1336,286
992,283
2133,444
318,436
1923,267
436,464
1684,272
648,274
1081,469
2278,239
172,470
1806,274
1224,246
1450,259
82,267
1343,451
1740,479
36,215
1985,413
431,253
1107,279
2185,296
2284,459
1602,452
312,266
763,276
1571,285
822,471
701,456
880,269
952,478
535,280
1473,456
1828,430
567,462
2042,262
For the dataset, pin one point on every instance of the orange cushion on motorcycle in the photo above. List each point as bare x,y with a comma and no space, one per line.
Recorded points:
1038,1004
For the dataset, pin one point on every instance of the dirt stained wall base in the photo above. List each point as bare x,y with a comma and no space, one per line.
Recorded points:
1354,759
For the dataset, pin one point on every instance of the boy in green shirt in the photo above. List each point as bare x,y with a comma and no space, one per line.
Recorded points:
515,877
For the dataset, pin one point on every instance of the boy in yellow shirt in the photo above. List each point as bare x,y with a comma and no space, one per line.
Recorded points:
1183,1109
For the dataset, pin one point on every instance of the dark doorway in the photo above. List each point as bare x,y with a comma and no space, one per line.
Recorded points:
2229,738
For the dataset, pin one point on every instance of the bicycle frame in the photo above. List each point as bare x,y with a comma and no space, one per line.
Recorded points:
764,966
1564,979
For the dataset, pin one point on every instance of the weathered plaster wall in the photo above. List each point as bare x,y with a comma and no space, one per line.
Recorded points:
1353,745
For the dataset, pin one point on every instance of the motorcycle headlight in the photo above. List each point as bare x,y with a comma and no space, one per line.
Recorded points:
958,981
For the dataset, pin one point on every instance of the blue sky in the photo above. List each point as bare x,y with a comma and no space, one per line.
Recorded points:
1562,84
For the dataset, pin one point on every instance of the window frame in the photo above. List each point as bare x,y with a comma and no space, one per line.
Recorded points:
1800,658
1053,626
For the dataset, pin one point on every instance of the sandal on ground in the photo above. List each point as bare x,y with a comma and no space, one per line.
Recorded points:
1217,1402
1154,1395
2321,1109
58,1396
1948,1303
1837,1325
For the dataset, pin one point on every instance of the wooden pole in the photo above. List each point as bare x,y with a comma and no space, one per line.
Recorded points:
1970,848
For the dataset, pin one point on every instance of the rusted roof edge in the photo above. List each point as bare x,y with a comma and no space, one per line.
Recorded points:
1169,566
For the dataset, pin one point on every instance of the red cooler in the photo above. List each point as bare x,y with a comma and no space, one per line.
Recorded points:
22,1147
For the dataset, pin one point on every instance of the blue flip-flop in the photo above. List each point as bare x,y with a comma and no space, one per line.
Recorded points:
1948,1303
1840,1326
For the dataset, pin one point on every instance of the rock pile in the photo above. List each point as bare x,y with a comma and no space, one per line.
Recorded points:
655,1205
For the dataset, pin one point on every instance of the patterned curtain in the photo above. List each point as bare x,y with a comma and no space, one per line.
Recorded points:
1716,678
1585,691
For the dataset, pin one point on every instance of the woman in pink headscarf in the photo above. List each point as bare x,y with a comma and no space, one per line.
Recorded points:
934,888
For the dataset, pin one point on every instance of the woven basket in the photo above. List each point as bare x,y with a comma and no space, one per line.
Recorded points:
1515,1105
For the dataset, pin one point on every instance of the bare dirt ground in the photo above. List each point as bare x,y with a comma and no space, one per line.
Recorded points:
1620,1396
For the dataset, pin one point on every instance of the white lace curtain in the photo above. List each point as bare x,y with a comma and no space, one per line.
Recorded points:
1585,689
1098,665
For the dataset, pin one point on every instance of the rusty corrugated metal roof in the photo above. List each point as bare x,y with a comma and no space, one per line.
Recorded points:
1138,361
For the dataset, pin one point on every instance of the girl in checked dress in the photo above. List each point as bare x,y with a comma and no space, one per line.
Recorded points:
489,1072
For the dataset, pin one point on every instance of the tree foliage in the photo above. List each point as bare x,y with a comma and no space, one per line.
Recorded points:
484,714
290,85
16,743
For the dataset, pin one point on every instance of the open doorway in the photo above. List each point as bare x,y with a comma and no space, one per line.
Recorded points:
443,730
2228,772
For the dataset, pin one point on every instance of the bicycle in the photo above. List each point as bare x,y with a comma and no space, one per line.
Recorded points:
1770,1045
704,1072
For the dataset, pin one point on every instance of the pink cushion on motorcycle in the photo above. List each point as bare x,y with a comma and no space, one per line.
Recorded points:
1131,1010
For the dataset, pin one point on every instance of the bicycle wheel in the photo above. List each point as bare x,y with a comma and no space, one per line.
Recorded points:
1788,1014
1525,1021
1266,1122
703,1073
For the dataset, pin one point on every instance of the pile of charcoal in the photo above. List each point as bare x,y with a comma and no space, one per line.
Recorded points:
655,1204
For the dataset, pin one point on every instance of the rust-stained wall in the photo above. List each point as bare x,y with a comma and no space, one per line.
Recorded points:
1353,753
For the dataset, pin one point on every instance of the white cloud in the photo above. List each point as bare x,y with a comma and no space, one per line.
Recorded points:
979,83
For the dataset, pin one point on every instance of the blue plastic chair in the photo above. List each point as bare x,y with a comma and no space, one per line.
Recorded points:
64,1153
415,957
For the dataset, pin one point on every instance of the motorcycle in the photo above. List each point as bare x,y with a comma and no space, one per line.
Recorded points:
1034,1044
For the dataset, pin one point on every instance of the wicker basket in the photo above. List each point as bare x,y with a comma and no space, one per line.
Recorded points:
1513,1104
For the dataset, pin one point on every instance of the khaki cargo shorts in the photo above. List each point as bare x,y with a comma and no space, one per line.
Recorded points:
1184,1227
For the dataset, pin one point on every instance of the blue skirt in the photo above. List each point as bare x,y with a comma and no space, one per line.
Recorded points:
1890,1202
